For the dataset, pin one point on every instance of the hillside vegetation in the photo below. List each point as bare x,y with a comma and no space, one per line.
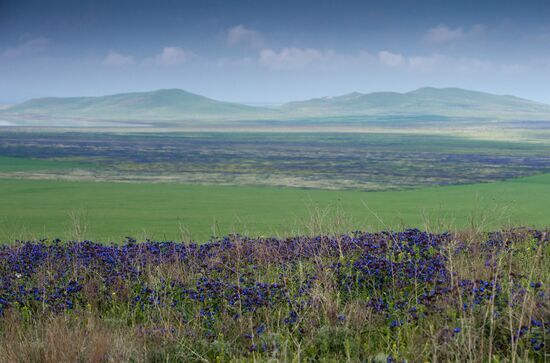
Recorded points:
156,107
423,101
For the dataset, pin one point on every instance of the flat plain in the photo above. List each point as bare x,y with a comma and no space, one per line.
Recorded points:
323,288
361,161
106,186
109,211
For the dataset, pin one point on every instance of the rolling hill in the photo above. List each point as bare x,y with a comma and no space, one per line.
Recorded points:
160,105
174,106
424,101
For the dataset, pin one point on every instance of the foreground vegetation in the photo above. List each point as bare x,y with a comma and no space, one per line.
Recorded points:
408,296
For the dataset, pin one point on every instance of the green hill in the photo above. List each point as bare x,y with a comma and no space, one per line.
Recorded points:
169,104
449,102
176,107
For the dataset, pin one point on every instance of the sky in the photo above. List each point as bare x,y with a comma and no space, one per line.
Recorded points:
270,52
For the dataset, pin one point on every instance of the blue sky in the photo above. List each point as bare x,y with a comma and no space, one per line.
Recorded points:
272,51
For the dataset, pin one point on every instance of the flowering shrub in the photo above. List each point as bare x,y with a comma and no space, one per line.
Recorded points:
366,296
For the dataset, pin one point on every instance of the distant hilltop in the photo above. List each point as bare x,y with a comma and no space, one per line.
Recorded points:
166,104
423,101
175,105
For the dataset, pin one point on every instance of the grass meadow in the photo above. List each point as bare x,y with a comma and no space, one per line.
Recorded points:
338,161
107,211
273,248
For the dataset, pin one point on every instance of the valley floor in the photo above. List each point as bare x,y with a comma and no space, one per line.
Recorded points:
106,211
369,162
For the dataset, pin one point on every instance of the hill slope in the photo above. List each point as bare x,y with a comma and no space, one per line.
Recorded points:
423,101
176,107
169,104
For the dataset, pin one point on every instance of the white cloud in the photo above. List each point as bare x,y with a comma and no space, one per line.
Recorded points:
171,56
294,58
425,63
31,47
240,34
542,34
238,62
514,68
442,34
438,62
116,59
290,59
477,29
473,65
444,63
390,59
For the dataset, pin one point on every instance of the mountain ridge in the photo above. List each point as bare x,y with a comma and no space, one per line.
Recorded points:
419,101
179,105
158,104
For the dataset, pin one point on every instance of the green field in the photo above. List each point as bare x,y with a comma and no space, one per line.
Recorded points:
380,161
10,164
110,211
105,186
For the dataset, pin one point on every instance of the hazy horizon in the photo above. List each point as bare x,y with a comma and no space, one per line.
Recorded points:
259,103
270,53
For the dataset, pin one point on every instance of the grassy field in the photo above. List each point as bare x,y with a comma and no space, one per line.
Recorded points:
373,162
407,296
196,185
110,211
10,164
